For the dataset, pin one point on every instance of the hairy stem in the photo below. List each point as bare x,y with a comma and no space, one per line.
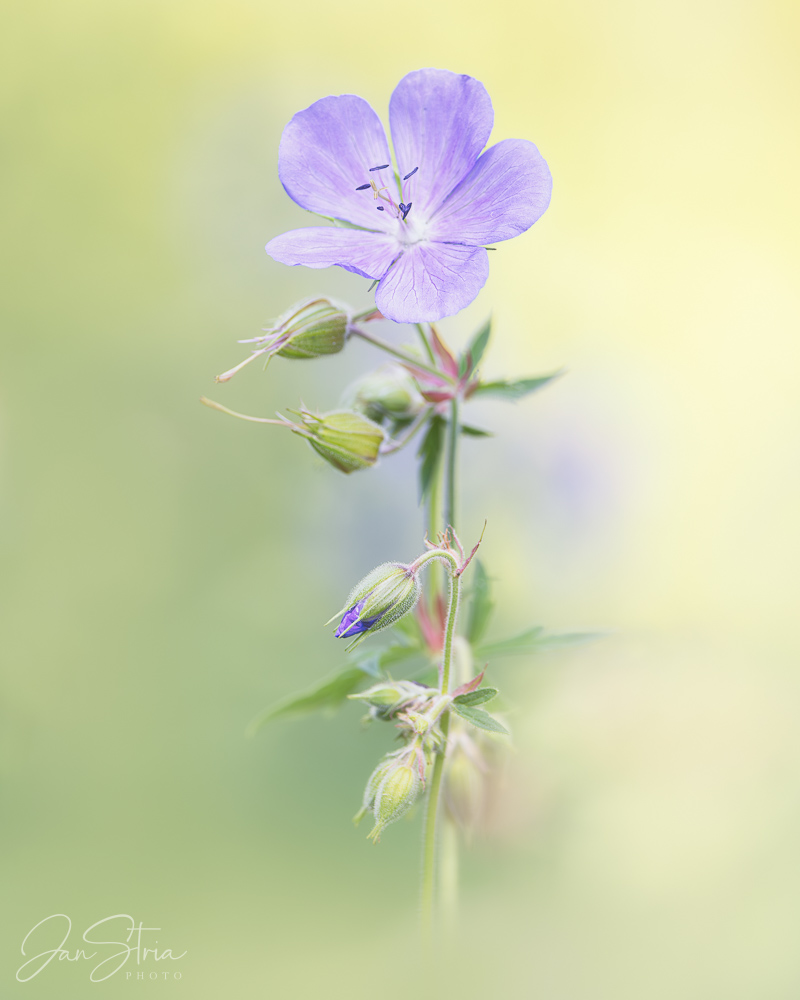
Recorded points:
429,852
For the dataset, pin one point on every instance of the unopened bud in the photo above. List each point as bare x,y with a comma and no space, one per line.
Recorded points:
310,329
389,392
348,440
397,792
379,600
373,784
463,789
392,694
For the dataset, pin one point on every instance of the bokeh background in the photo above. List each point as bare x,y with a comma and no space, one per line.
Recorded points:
166,569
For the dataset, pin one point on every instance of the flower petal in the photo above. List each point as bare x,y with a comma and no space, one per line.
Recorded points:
430,281
367,254
327,151
506,191
440,122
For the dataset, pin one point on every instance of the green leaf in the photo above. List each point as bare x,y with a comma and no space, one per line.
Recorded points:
513,390
535,640
408,626
482,605
378,662
479,697
328,693
479,718
475,431
430,455
476,348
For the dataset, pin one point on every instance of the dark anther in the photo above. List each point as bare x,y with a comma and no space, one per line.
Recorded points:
411,174
405,209
363,187
402,207
379,207
383,166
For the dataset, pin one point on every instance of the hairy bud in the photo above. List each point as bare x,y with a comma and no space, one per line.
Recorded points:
348,440
395,795
379,600
309,329
388,393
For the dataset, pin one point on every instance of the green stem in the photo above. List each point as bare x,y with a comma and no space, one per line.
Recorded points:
399,443
452,457
409,359
425,342
435,576
429,852
448,877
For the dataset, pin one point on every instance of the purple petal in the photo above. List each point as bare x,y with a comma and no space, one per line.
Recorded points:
327,151
367,254
506,191
440,122
430,281
351,624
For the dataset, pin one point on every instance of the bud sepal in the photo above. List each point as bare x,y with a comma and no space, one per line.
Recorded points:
309,329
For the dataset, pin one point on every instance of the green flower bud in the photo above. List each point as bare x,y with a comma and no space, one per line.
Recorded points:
310,329
314,329
392,694
373,784
396,794
349,441
463,789
386,594
389,392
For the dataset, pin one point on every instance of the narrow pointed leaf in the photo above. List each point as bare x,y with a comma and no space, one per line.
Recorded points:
327,694
535,640
482,605
473,431
474,351
430,455
514,389
473,698
479,718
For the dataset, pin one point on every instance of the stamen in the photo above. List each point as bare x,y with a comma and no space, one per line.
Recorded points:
363,187
405,209
383,166
381,208
411,174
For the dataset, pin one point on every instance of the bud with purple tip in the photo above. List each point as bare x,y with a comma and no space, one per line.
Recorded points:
379,600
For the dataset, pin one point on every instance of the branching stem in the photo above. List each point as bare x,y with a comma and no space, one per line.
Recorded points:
398,352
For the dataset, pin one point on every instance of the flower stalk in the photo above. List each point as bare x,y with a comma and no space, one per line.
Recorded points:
417,223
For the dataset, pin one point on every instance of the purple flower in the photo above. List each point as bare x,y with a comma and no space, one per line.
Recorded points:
420,231
350,624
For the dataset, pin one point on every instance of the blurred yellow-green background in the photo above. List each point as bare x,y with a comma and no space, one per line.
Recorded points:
166,568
